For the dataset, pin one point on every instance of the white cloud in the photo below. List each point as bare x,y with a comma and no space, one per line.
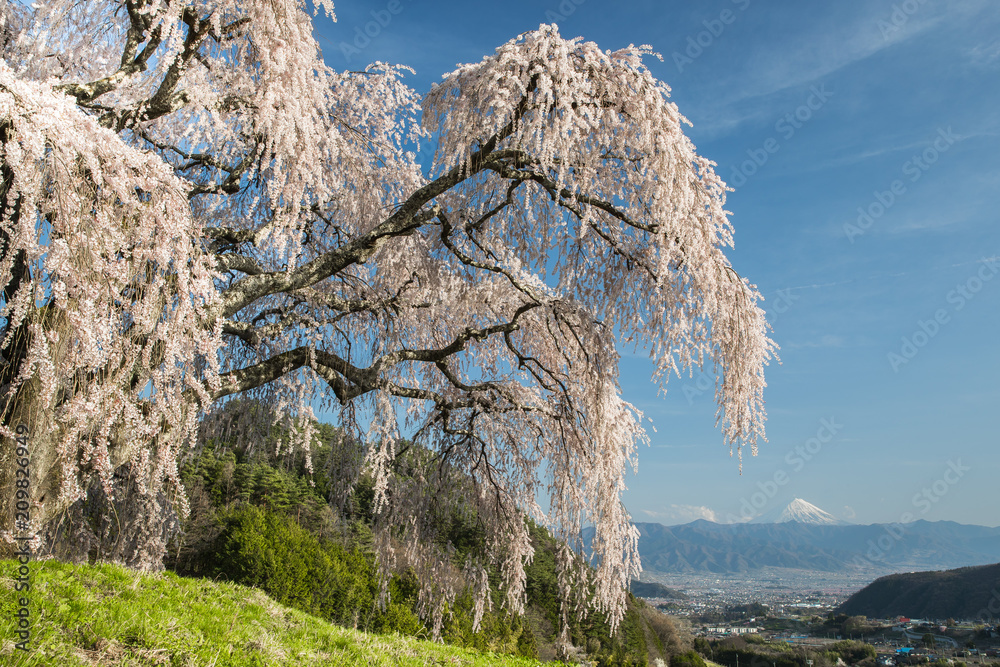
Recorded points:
845,37
827,340
985,55
675,514
922,223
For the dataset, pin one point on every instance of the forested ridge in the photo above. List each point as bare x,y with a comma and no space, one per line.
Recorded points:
966,592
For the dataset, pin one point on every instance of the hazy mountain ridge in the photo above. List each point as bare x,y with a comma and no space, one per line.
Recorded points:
704,546
966,592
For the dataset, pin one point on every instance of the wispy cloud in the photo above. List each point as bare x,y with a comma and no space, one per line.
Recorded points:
928,223
827,340
819,285
985,55
836,41
864,155
681,513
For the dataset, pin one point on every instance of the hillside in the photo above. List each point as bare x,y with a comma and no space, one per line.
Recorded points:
266,522
963,593
652,589
302,534
109,615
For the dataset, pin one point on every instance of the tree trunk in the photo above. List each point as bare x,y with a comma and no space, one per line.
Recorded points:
132,527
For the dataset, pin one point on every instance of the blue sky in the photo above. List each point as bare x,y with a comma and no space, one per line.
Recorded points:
863,140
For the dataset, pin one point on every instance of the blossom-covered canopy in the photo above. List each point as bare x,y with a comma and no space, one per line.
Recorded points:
196,208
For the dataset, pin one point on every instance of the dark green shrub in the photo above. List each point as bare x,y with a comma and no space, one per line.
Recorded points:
526,644
272,552
853,652
687,659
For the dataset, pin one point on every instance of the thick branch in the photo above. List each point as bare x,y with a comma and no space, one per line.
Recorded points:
131,62
407,219
167,98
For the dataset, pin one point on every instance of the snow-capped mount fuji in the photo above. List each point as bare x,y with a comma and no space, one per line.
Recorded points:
801,511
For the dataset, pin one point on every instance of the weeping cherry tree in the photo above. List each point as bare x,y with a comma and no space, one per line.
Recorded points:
196,209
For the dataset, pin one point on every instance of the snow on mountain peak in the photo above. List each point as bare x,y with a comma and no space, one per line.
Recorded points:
801,511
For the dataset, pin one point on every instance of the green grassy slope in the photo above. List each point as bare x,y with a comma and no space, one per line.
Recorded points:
108,615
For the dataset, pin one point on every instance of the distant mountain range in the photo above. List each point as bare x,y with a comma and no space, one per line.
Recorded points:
802,536
968,593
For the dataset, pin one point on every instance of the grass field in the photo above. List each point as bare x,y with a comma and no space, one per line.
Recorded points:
109,615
